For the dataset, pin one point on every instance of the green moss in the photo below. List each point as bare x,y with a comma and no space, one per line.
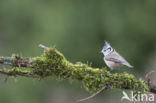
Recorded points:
53,63
49,64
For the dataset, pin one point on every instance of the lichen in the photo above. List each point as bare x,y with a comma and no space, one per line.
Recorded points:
53,63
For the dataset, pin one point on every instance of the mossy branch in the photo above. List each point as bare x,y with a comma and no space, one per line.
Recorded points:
53,63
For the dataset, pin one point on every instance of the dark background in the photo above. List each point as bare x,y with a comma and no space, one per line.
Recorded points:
78,29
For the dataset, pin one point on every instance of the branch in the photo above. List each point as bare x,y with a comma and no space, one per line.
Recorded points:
53,63
18,73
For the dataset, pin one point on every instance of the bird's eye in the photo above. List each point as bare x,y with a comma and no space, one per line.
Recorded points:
109,49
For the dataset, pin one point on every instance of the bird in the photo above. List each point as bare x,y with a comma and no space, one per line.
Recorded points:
112,58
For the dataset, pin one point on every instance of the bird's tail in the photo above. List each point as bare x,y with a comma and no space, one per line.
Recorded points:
129,65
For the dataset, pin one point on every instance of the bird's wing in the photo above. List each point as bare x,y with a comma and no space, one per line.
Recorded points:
112,59
115,57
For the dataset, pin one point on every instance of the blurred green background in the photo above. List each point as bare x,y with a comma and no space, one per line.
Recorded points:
78,29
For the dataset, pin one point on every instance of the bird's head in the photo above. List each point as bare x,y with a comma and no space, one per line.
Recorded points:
107,49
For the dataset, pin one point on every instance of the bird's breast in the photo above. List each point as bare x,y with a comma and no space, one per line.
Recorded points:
112,65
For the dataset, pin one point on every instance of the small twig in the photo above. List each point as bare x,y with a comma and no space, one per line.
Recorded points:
43,47
93,95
